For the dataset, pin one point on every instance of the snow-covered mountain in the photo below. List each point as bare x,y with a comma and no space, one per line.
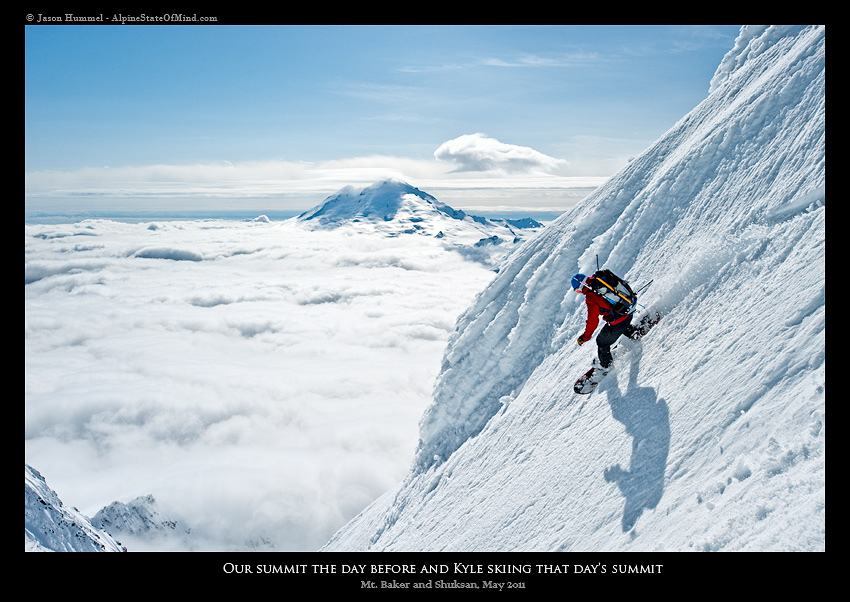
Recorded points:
140,525
51,526
709,434
395,208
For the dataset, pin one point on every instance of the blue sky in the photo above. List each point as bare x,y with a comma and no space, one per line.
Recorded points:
153,117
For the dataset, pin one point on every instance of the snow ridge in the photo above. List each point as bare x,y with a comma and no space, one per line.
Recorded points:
50,526
725,214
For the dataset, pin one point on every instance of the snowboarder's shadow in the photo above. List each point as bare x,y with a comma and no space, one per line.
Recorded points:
647,420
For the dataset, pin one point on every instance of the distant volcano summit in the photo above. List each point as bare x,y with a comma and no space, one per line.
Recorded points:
382,201
395,208
409,209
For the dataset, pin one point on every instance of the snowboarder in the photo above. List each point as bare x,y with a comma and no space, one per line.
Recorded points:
616,324
611,298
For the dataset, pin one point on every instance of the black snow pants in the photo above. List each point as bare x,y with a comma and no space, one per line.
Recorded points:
608,336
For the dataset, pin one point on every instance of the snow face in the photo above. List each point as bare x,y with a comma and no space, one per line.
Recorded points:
709,433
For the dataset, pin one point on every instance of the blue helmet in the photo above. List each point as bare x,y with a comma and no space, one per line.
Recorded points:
578,281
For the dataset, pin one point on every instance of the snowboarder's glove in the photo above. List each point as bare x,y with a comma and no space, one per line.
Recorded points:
581,339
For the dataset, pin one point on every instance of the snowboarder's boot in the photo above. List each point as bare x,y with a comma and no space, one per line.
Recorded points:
591,378
599,371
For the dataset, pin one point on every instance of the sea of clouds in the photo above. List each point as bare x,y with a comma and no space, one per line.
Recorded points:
262,381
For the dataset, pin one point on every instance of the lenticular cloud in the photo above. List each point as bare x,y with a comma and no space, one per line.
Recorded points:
477,152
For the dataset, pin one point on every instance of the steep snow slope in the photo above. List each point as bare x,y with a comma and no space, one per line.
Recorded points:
50,526
709,433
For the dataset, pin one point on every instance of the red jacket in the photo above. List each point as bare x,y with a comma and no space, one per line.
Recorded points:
597,307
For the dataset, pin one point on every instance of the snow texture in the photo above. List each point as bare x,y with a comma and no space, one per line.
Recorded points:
708,434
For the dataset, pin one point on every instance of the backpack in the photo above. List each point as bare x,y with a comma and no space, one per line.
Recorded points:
616,291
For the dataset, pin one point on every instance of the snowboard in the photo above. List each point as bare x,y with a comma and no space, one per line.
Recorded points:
588,381
645,324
